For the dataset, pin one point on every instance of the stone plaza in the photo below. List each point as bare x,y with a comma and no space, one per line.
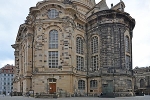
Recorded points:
75,98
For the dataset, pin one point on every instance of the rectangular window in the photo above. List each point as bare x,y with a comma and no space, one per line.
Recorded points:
94,63
53,59
80,63
93,83
127,62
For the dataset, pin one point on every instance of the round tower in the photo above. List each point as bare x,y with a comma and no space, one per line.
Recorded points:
110,41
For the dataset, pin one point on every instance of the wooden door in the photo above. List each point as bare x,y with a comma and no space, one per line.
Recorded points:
52,88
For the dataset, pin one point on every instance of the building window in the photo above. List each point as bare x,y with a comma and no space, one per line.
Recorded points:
93,84
79,45
142,83
80,63
94,63
94,44
52,80
81,85
80,26
127,44
53,59
127,62
53,39
53,13
129,83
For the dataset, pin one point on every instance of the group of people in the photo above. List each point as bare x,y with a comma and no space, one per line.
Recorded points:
8,94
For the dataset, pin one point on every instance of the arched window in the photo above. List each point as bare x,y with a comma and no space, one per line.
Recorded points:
94,44
142,84
53,39
81,85
127,44
93,84
94,63
53,13
79,45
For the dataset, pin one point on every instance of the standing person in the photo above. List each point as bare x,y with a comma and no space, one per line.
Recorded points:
27,94
8,93
11,93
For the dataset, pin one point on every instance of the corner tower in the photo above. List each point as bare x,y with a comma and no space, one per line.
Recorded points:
110,32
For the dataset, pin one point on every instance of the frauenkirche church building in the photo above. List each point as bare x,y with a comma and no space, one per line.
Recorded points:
75,46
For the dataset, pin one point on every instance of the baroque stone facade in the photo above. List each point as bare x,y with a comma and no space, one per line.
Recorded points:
75,46
142,80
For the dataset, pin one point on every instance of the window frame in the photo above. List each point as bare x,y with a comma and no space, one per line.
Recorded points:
127,43
93,84
94,63
81,85
53,13
94,44
53,59
80,63
79,45
53,39
127,60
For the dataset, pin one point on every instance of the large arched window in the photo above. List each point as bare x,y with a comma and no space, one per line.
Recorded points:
93,84
79,45
94,44
142,84
127,44
81,85
53,39
53,13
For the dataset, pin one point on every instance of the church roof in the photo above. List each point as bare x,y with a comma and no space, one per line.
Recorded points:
99,7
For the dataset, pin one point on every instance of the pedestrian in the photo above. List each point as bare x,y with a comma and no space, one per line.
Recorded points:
27,94
8,94
11,94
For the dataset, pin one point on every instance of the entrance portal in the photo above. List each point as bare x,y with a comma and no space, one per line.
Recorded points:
52,86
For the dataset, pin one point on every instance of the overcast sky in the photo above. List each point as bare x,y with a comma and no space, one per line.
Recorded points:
14,12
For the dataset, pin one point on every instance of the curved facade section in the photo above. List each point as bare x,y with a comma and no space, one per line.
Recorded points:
113,29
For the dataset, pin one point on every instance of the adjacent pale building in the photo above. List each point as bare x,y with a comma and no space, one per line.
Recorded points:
75,46
6,79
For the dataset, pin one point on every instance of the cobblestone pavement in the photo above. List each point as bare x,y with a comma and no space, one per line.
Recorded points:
76,98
